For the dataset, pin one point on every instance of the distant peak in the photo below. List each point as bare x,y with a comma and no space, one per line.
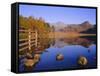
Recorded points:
86,22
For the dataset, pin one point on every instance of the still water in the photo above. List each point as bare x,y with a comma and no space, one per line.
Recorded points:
71,49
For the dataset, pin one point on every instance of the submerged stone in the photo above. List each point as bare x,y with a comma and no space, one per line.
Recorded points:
82,61
59,57
29,62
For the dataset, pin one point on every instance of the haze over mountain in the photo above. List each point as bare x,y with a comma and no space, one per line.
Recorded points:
60,26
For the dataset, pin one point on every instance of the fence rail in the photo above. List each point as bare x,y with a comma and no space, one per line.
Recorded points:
27,43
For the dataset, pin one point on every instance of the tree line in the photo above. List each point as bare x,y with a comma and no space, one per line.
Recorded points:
32,23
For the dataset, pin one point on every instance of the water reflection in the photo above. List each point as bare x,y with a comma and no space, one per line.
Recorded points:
75,52
72,41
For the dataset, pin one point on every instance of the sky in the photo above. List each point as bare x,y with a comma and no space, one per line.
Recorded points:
67,15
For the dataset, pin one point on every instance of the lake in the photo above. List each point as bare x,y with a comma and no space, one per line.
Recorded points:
71,49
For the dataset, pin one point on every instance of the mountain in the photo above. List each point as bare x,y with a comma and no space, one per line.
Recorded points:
60,26
86,25
90,31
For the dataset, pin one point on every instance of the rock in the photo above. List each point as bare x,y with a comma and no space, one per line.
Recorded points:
37,57
29,62
59,57
82,61
28,55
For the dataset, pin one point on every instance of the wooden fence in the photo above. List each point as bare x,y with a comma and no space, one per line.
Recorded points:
29,41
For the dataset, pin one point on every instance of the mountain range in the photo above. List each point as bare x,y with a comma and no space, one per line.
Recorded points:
84,27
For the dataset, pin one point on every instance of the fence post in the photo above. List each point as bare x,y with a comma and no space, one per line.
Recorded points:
29,39
36,38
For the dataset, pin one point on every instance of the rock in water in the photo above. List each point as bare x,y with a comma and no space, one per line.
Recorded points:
29,62
82,61
37,58
28,55
59,57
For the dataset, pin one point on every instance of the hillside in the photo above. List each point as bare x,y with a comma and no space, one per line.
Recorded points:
84,27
